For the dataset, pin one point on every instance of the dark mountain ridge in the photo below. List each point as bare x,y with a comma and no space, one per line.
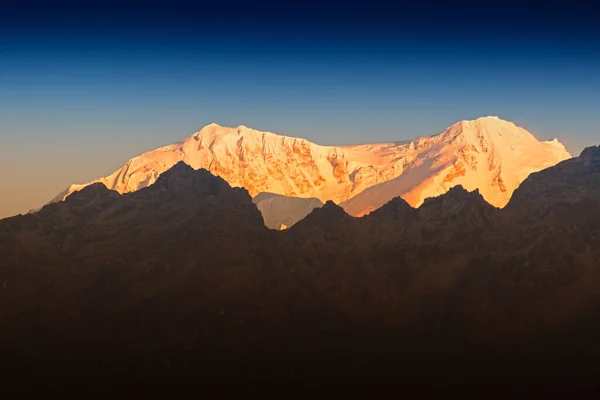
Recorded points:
181,280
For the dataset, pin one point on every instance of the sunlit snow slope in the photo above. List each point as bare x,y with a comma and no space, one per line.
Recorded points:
488,154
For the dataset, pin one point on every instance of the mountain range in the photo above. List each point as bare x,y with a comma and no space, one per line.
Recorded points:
488,154
181,280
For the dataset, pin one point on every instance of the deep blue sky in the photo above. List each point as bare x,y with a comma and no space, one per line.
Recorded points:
83,88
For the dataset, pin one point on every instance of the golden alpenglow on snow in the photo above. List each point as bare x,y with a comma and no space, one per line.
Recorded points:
488,154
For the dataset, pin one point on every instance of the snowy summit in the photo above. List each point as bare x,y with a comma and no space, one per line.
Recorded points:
488,154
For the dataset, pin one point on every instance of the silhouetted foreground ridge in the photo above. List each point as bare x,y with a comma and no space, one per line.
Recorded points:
182,281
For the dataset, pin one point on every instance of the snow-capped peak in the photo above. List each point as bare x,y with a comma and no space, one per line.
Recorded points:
488,154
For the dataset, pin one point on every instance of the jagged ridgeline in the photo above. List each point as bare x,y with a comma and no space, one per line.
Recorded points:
488,154
183,277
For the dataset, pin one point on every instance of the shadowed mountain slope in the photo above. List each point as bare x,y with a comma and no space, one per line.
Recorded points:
182,280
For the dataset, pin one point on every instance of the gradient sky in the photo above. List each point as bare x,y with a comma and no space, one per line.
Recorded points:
83,88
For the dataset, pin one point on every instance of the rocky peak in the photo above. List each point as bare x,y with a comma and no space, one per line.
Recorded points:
330,215
90,193
332,210
569,181
455,195
591,156
183,178
87,200
457,204
177,171
397,210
